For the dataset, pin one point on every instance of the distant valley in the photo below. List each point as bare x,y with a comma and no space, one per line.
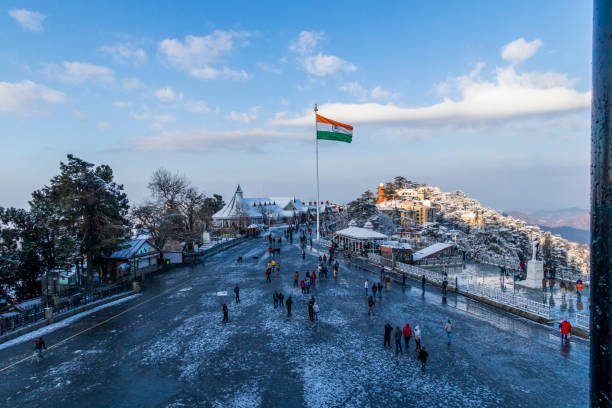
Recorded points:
572,224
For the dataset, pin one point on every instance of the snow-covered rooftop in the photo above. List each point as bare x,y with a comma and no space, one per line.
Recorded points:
360,233
431,250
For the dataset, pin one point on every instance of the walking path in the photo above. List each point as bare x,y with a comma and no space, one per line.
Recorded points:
168,348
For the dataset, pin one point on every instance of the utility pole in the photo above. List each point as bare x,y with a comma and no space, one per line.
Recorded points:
601,206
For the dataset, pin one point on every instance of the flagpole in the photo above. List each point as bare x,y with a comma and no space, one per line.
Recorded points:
316,109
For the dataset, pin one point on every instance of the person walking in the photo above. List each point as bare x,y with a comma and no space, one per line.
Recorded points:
225,314
315,309
387,341
448,328
370,306
423,355
275,298
444,286
296,276
397,335
303,254
407,332
566,330
289,302
39,346
423,282
366,285
314,278
311,310
417,337
268,280
281,299
403,281
237,292
374,289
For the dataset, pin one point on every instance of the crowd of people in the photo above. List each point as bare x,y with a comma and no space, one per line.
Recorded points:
373,292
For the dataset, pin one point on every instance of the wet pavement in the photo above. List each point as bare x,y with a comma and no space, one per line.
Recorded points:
562,304
171,349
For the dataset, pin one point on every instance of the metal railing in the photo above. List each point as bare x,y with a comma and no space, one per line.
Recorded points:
16,320
511,300
454,260
583,321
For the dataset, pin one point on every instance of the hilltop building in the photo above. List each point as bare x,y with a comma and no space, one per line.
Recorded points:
242,211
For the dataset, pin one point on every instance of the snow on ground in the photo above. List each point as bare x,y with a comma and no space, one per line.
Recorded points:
62,323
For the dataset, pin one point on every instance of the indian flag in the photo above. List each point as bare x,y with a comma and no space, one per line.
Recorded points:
328,129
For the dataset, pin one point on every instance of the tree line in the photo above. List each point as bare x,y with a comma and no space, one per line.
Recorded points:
82,216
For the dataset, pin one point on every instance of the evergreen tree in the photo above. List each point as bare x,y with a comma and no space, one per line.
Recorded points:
86,210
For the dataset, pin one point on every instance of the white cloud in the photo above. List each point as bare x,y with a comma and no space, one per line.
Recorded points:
206,139
520,50
306,42
157,121
198,55
322,65
267,68
27,97
29,20
167,94
79,72
363,94
317,64
104,126
199,106
122,104
506,96
131,83
125,54
246,117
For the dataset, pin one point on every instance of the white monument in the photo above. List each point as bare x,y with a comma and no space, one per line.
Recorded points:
535,270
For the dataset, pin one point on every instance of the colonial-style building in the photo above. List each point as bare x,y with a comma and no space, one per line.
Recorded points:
241,211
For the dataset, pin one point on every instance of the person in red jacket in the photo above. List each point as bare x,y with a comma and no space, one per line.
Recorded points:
407,332
566,328
314,278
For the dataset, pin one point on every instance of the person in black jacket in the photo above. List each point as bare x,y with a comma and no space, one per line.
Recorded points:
289,302
423,357
370,306
388,329
225,314
237,292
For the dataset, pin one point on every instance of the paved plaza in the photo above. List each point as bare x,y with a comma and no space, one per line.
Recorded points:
170,349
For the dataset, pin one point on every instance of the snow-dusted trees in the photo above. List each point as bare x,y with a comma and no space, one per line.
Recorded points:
176,209
86,210
81,215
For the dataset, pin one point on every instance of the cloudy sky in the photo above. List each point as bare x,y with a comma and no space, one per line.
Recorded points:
488,97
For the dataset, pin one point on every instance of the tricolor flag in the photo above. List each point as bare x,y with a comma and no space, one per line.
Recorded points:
328,129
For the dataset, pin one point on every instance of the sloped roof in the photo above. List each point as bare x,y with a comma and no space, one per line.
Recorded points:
431,250
360,233
130,249
174,246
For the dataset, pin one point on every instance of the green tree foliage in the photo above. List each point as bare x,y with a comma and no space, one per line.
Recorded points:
86,210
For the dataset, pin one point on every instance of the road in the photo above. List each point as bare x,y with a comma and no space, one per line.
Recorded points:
169,348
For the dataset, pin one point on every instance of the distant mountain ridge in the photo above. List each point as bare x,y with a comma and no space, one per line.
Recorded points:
577,218
569,233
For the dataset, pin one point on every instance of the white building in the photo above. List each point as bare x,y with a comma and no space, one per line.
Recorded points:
242,211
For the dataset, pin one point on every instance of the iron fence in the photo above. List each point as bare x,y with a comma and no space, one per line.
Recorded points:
36,313
511,300
583,321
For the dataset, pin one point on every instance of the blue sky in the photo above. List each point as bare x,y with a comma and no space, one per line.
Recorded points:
488,97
